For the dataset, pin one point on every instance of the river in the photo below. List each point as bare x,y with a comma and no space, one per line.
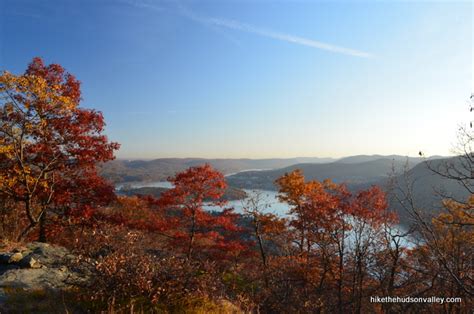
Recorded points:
268,200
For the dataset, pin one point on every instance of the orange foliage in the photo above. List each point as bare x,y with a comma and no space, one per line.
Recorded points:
49,146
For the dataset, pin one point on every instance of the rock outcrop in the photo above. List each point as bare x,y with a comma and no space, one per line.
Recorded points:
38,266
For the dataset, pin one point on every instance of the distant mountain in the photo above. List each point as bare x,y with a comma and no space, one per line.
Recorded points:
428,188
366,158
362,173
159,169
399,159
119,171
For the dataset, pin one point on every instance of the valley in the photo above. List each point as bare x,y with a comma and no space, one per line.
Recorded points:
357,172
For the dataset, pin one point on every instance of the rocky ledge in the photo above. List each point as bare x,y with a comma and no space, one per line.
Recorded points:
38,266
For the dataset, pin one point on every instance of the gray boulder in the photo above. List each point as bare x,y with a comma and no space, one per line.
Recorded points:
40,266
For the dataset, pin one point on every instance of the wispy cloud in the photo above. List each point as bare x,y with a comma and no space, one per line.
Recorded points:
236,25
289,38
219,23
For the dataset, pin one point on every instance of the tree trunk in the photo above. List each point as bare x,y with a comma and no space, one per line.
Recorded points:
26,231
42,225
191,238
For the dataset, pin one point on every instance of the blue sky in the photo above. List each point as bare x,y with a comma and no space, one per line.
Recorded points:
257,78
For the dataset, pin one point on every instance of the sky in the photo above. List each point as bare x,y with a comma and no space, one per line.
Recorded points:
258,79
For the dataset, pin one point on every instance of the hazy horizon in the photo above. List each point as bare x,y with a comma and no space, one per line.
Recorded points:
293,157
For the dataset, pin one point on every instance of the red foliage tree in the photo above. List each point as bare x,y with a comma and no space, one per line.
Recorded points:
193,189
50,146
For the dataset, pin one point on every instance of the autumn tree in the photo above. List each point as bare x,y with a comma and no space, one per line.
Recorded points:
267,229
293,190
455,246
442,264
193,189
369,221
336,237
50,146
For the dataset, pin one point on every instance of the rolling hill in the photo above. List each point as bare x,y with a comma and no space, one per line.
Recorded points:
428,188
119,171
366,158
353,173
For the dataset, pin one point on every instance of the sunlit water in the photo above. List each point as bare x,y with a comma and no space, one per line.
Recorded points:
137,185
269,199
268,203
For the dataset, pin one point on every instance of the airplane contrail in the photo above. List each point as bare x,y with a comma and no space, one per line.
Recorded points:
235,25
286,37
